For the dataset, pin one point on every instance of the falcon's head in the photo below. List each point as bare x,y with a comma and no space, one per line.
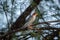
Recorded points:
35,14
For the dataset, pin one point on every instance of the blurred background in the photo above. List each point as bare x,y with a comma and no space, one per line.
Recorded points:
48,19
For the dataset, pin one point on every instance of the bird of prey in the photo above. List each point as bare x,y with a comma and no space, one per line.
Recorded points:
30,21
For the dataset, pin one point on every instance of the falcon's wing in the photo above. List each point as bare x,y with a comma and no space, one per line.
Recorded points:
28,18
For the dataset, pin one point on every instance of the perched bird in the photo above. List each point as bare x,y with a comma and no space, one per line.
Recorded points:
30,21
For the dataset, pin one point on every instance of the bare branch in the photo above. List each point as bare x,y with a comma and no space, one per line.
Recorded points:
46,22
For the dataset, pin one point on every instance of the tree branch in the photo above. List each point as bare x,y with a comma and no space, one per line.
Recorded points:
45,22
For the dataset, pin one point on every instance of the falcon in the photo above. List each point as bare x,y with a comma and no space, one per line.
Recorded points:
30,21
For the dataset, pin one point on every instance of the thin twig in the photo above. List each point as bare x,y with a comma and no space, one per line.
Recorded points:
46,22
